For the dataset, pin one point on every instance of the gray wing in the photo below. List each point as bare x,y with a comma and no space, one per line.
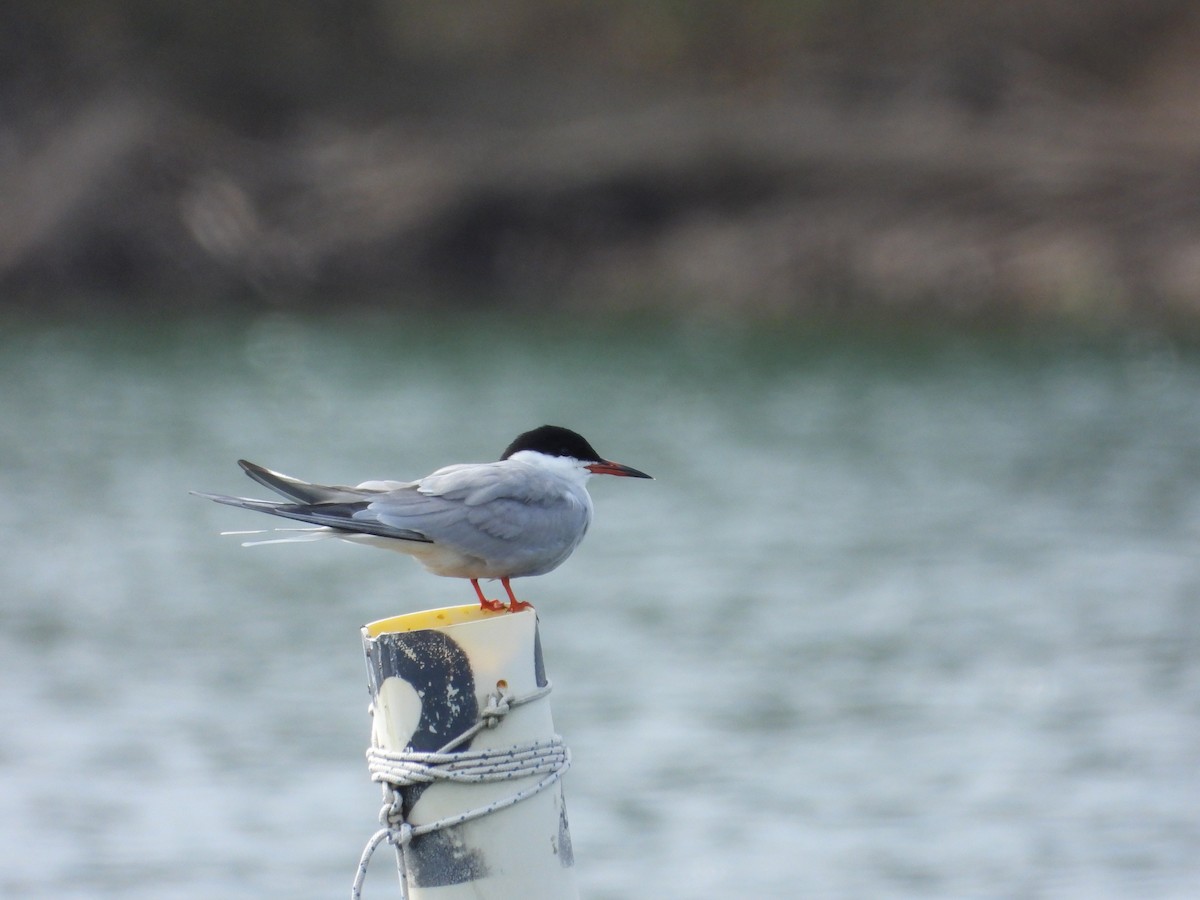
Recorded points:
303,491
332,506
494,511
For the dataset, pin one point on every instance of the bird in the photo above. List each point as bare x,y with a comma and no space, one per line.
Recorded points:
520,516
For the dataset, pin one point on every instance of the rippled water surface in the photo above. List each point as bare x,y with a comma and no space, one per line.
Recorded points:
901,616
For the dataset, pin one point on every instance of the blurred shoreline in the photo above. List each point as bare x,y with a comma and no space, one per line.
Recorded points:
973,174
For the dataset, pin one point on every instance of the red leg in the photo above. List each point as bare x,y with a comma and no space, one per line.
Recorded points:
484,602
514,605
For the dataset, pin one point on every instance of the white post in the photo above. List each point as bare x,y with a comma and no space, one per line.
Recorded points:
433,676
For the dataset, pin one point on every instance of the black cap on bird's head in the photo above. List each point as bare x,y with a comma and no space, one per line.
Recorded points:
554,440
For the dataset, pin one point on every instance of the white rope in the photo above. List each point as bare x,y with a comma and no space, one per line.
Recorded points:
397,769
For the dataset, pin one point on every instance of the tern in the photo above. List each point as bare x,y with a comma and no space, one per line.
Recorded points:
522,515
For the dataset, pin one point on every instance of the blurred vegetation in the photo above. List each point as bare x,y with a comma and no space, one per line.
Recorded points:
976,159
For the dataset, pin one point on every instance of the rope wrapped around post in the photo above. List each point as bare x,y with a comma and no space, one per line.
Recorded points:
395,770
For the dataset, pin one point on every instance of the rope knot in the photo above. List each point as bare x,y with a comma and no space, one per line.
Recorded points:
497,707
401,836
391,815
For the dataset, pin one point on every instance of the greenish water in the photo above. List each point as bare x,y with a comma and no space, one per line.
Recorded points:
902,615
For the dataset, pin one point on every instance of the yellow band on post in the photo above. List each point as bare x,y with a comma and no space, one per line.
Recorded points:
431,618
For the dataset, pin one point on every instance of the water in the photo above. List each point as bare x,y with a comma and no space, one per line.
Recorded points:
902,616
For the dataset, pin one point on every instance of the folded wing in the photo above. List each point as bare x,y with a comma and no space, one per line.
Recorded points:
494,511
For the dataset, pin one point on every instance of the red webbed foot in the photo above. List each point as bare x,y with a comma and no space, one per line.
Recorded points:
514,605
484,602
